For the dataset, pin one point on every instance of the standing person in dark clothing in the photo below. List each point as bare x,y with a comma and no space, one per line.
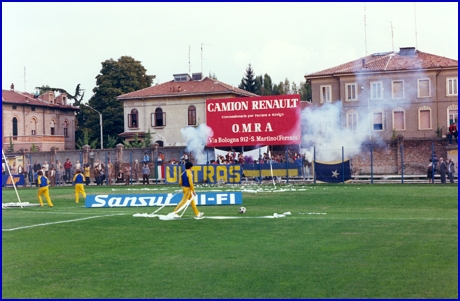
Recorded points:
442,170
67,168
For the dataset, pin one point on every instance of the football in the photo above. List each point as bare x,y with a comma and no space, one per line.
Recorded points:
242,210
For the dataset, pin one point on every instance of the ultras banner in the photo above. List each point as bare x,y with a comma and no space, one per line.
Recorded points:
252,121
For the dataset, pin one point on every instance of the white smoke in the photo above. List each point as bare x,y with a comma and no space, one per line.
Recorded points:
196,141
324,134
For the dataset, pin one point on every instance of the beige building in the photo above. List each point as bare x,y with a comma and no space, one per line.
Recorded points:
43,121
409,92
166,108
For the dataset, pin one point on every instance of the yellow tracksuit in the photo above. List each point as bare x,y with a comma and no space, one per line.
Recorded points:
79,179
186,181
43,189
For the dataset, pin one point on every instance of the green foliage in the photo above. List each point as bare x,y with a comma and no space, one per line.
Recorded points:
148,139
85,140
34,148
212,75
248,82
383,241
111,142
115,78
136,143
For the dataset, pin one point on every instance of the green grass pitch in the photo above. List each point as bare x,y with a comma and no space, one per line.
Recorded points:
340,241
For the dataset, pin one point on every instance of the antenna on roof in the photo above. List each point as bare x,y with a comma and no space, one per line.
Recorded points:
415,18
365,34
25,90
189,59
392,40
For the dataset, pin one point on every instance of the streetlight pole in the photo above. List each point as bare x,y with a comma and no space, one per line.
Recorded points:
100,123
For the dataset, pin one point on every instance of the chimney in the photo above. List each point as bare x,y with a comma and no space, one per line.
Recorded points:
363,62
407,51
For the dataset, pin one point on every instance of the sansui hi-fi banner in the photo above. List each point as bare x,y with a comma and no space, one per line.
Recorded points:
212,174
252,121
150,200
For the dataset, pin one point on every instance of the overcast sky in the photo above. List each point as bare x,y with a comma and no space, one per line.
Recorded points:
64,44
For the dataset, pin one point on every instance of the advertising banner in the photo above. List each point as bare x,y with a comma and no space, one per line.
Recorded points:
253,121
18,180
212,173
150,200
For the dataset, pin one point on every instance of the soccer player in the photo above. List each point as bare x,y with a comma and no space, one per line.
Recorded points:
78,180
186,181
42,183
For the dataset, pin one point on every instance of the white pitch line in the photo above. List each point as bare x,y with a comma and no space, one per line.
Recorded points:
60,222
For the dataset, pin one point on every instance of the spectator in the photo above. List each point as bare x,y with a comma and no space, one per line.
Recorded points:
67,168
146,158
52,176
442,170
46,169
160,159
87,173
37,166
110,172
184,158
127,174
429,172
453,132
145,174
30,173
136,168
451,170
78,165
435,162
97,172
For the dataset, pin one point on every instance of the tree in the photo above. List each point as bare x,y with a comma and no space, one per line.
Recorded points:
85,140
268,85
77,94
248,82
305,91
148,139
115,78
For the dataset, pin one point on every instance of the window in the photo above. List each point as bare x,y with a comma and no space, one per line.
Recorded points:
191,115
66,126
15,126
378,121
325,93
158,118
423,88
133,119
397,89
376,90
52,123
452,112
33,125
15,107
32,108
399,120
352,120
452,87
351,92
424,117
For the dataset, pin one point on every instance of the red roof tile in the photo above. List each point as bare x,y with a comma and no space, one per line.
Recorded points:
24,98
206,86
406,59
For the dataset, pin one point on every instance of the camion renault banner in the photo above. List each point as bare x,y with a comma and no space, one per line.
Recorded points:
252,121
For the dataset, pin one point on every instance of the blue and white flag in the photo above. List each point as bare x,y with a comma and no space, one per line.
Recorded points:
333,172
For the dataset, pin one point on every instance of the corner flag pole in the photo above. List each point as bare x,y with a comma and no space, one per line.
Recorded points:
11,177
